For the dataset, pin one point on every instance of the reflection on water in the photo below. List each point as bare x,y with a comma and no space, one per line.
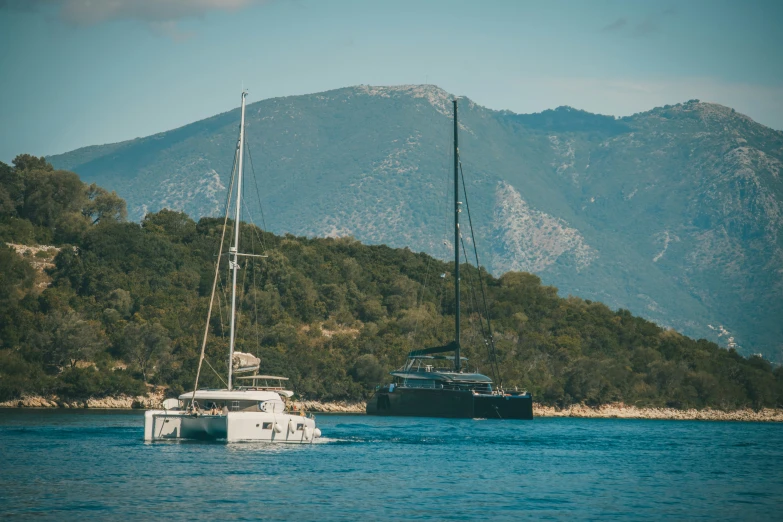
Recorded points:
93,464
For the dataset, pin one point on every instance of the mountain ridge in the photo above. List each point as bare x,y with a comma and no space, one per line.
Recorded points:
672,213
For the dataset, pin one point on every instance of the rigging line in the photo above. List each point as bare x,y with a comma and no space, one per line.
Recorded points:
448,187
476,309
255,182
421,299
253,250
217,276
255,294
475,301
473,304
478,266
220,314
226,300
216,373
493,357
481,280
255,309
255,228
244,293
258,194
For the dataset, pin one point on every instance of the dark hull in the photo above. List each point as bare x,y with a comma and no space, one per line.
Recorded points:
429,402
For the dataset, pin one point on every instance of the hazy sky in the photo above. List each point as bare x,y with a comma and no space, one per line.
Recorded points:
85,72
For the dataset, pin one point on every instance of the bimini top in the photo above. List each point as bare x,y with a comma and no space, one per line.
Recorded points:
442,376
232,395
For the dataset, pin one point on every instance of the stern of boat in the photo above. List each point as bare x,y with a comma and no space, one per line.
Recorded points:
510,405
162,425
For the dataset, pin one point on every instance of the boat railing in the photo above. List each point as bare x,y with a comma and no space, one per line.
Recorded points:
445,386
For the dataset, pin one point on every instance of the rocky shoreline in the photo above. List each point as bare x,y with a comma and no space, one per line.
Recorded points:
622,411
607,411
154,400
121,402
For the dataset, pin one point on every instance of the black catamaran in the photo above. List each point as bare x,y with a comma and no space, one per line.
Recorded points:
420,388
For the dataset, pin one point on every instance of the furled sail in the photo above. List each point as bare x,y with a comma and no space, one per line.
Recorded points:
245,362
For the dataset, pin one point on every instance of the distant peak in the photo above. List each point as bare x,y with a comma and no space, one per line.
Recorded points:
715,110
416,90
437,97
708,111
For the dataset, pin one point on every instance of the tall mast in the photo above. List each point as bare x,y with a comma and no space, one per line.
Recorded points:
233,251
457,361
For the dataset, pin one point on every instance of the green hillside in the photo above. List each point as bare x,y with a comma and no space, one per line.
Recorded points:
123,303
674,214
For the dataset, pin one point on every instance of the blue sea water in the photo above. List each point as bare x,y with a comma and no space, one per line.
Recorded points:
61,464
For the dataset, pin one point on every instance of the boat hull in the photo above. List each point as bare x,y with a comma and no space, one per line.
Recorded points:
162,425
438,402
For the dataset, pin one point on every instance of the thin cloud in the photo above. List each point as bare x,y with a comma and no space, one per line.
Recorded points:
615,26
161,16
170,30
647,27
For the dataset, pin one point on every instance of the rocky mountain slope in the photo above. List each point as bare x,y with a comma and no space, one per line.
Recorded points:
675,214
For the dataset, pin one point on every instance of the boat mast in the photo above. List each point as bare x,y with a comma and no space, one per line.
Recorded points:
457,361
233,251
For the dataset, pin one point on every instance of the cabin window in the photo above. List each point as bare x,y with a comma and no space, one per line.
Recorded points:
267,426
234,405
299,427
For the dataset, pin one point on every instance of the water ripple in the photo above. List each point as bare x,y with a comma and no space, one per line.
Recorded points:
93,465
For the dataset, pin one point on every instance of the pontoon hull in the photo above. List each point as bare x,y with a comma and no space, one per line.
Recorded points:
231,427
434,402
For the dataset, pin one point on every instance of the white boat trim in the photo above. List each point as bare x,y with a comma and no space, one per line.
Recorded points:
232,395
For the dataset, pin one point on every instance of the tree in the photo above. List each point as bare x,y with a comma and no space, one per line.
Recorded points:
121,301
102,205
368,371
67,338
146,345
177,225
17,278
30,162
51,197
10,188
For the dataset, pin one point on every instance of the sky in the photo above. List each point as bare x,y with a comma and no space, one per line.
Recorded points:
87,72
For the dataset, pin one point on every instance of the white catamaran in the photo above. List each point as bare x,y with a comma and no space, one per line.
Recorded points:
253,412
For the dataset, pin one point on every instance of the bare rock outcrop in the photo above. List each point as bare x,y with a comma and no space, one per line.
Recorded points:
330,407
151,400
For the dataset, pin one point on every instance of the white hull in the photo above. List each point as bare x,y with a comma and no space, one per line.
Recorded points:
231,427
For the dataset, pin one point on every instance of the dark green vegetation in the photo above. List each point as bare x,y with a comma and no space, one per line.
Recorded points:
41,205
674,214
332,314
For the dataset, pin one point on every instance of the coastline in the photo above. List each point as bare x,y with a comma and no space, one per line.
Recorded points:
623,411
606,411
